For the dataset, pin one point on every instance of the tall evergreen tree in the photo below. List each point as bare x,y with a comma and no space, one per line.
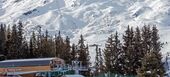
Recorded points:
99,61
59,45
108,54
151,66
31,48
33,53
39,43
2,39
45,49
20,40
83,52
156,44
66,55
117,53
139,54
51,46
8,44
24,49
73,52
20,33
13,54
146,39
112,52
128,49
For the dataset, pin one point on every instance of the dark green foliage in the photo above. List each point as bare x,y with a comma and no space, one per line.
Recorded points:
13,50
83,52
112,52
14,45
59,45
33,46
129,52
156,44
73,52
2,39
137,54
151,66
133,56
8,43
66,55
146,39
98,61
45,45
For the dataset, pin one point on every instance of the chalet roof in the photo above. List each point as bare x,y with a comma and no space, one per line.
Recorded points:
26,62
20,73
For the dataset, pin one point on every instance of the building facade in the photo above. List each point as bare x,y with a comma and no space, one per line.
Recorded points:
28,67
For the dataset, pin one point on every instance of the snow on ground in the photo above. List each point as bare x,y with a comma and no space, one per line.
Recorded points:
95,19
72,76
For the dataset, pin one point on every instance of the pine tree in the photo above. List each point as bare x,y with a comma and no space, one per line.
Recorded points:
45,47
8,44
73,52
101,65
33,53
151,66
2,39
146,39
138,56
88,55
51,46
117,52
39,43
59,45
108,54
67,51
99,61
20,33
83,52
20,40
31,49
129,54
111,54
25,49
13,52
156,44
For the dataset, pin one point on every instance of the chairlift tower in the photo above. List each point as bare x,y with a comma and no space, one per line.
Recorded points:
98,58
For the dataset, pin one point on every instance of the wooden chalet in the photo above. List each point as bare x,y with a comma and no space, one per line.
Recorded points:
28,67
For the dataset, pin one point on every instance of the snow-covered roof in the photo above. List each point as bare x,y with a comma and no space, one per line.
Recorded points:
27,62
33,59
19,73
73,76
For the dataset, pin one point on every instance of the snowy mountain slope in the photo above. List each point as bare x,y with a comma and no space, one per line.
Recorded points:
95,19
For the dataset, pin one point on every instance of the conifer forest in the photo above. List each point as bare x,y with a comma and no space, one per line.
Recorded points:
135,52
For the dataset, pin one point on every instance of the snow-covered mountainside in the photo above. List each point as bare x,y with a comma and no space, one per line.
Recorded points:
95,19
